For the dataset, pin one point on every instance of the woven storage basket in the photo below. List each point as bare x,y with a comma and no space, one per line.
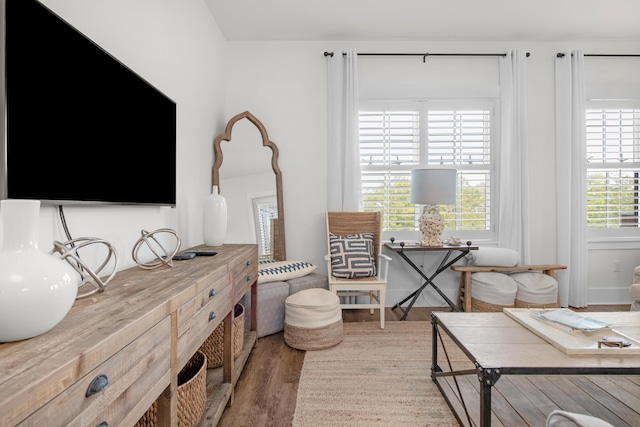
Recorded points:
525,304
477,305
192,395
192,391
150,418
213,347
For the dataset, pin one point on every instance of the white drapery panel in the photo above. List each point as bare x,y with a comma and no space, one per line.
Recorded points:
344,191
513,215
571,174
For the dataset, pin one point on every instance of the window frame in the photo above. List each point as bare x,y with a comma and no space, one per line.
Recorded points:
462,103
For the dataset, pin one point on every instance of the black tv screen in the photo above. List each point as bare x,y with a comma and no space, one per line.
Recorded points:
80,126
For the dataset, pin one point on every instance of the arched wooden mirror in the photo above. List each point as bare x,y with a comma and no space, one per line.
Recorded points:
248,176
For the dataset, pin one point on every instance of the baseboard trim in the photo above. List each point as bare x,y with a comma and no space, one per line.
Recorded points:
609,296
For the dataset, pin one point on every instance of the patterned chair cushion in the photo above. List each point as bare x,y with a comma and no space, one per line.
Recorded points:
352,256
283,270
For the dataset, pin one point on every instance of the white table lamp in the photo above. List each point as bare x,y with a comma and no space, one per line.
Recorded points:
433,187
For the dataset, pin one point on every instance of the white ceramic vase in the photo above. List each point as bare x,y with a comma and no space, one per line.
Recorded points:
36,289
215,218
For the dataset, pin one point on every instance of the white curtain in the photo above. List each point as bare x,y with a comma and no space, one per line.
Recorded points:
344,191
513,215
571,172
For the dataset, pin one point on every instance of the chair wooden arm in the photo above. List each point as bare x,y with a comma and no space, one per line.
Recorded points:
464,291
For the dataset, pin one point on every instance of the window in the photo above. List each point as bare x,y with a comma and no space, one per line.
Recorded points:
613,168
265,211
396,137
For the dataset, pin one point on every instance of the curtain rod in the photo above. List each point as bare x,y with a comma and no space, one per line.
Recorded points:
424,55
561,55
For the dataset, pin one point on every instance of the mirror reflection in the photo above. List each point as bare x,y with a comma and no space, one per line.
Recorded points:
247,173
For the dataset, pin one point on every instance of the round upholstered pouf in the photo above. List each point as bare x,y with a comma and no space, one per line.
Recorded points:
492,291
535,290
312,319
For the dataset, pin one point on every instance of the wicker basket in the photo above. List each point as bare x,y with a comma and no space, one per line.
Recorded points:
213,347
477,305
525,304
192,391
192,395
150,418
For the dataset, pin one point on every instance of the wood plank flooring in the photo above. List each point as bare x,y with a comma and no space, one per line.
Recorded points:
265,394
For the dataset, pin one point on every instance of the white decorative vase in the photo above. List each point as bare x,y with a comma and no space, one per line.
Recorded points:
36,289
215,218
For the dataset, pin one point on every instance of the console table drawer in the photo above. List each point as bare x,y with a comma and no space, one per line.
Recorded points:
245,273
198,317
116,387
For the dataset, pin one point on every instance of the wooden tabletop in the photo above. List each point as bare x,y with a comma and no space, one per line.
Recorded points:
496,340
515,268
397,247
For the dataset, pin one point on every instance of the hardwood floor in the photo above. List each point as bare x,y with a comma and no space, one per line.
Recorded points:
265,394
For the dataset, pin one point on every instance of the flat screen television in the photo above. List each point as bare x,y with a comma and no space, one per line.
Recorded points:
79,127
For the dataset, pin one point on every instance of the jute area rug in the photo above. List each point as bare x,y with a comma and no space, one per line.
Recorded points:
374,377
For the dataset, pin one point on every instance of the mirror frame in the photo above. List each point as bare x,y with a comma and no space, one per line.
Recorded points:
217,152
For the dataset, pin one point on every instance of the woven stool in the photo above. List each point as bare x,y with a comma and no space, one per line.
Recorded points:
535,290
313,319
492,291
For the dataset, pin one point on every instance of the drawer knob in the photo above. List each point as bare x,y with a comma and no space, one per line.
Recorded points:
248,263
212,293
212,315
248,278
98,384
103,424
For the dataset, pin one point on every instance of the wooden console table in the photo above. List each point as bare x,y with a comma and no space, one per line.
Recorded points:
133,339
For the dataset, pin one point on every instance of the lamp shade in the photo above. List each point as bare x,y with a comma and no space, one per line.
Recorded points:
433,186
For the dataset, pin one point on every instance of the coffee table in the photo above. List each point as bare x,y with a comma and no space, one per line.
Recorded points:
498,345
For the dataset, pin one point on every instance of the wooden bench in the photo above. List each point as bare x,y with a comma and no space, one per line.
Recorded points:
464,292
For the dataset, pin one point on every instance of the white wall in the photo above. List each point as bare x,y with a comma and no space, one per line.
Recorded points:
284,85
178,48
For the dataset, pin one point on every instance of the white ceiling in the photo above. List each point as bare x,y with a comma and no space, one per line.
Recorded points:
431,20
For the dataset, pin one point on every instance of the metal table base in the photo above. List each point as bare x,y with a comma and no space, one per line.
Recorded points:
446,262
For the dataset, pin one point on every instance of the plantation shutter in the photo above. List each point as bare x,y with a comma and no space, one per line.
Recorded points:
403,136
389,149
613,164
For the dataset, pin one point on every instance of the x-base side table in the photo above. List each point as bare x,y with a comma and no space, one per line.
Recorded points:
447,261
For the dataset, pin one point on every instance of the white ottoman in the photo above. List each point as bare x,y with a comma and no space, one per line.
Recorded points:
271,297
535,290
311,280
312,319
492,291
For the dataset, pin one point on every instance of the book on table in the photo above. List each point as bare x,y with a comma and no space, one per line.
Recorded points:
569,321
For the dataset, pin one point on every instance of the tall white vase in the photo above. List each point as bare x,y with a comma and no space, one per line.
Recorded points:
215,218
36,289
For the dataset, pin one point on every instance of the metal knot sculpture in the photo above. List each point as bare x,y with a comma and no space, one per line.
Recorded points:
162,256
90,278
